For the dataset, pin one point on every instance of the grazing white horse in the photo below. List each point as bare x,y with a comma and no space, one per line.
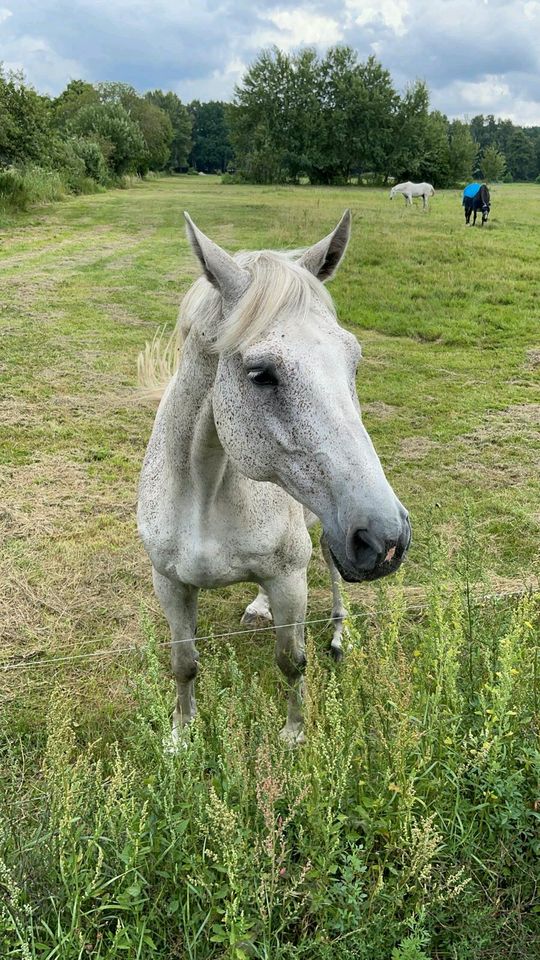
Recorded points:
261,420
409,190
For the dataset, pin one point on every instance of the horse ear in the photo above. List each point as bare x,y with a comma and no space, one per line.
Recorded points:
219,268
324,257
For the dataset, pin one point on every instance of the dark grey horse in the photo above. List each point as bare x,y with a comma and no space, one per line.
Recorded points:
480,202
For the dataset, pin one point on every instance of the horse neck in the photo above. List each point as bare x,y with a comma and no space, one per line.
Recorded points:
193,447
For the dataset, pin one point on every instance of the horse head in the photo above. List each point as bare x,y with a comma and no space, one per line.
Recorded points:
486,202
284,399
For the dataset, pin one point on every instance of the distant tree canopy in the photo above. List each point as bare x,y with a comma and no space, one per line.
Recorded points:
181,124
211,149
327,118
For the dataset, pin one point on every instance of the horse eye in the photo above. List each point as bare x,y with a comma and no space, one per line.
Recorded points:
263,377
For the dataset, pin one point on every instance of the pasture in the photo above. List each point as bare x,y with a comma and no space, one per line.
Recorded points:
408,826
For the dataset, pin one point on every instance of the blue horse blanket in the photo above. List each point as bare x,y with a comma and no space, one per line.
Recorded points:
471,190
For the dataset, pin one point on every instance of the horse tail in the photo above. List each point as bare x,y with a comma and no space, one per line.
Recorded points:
158,363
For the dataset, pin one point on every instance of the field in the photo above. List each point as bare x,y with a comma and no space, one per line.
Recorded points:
408,826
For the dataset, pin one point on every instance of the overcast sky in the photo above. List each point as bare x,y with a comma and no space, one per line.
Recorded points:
478,56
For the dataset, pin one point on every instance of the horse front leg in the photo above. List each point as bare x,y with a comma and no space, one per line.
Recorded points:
338,610
288,601
179,604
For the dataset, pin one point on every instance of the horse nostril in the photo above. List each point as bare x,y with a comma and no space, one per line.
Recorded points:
360,542
365,551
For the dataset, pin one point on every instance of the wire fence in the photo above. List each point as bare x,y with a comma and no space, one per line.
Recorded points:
30,662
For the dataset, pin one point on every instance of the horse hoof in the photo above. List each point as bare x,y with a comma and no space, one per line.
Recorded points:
293,734
336,652
177,740
174,744
253,616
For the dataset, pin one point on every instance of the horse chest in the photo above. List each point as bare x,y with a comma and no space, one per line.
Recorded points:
230,540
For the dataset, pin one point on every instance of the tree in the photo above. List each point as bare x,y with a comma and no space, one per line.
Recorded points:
181,124
520,156
118,136
410,133
493,164
378,107
25,122
436,160
260,118
211,148
153,122
77,95
461,153
301,115
342,97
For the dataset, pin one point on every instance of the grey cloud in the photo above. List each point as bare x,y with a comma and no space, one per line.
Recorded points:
189,46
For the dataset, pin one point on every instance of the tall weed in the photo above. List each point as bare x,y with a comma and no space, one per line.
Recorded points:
406,828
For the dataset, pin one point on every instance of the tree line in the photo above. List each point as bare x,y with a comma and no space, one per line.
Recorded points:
329,118
92,135
295,117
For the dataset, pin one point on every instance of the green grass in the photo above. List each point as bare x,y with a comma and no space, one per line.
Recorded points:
408,826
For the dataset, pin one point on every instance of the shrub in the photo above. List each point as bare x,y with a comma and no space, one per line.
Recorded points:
118,136
230,178
92,156
14,192
22,187
65,160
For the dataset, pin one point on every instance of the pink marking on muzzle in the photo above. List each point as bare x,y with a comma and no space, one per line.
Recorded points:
390,555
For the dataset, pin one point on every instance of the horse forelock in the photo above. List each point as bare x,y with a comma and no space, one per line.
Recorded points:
279,284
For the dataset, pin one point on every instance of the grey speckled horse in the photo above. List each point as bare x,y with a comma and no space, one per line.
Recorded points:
260,421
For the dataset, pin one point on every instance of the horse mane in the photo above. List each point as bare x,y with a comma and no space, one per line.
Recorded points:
279,281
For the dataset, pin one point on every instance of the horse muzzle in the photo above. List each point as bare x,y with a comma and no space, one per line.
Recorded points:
369,553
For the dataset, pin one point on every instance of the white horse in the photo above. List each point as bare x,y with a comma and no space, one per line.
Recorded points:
409,190
261,418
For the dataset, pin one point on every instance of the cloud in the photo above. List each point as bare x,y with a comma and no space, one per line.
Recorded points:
476,55
389,13
298,27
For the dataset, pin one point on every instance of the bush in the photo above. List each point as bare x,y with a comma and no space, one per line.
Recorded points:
20,188
14,193
118,136
233,178
94,162
64,160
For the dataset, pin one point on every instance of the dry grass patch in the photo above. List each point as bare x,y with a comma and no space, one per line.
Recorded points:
532,359
416,448
379,410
